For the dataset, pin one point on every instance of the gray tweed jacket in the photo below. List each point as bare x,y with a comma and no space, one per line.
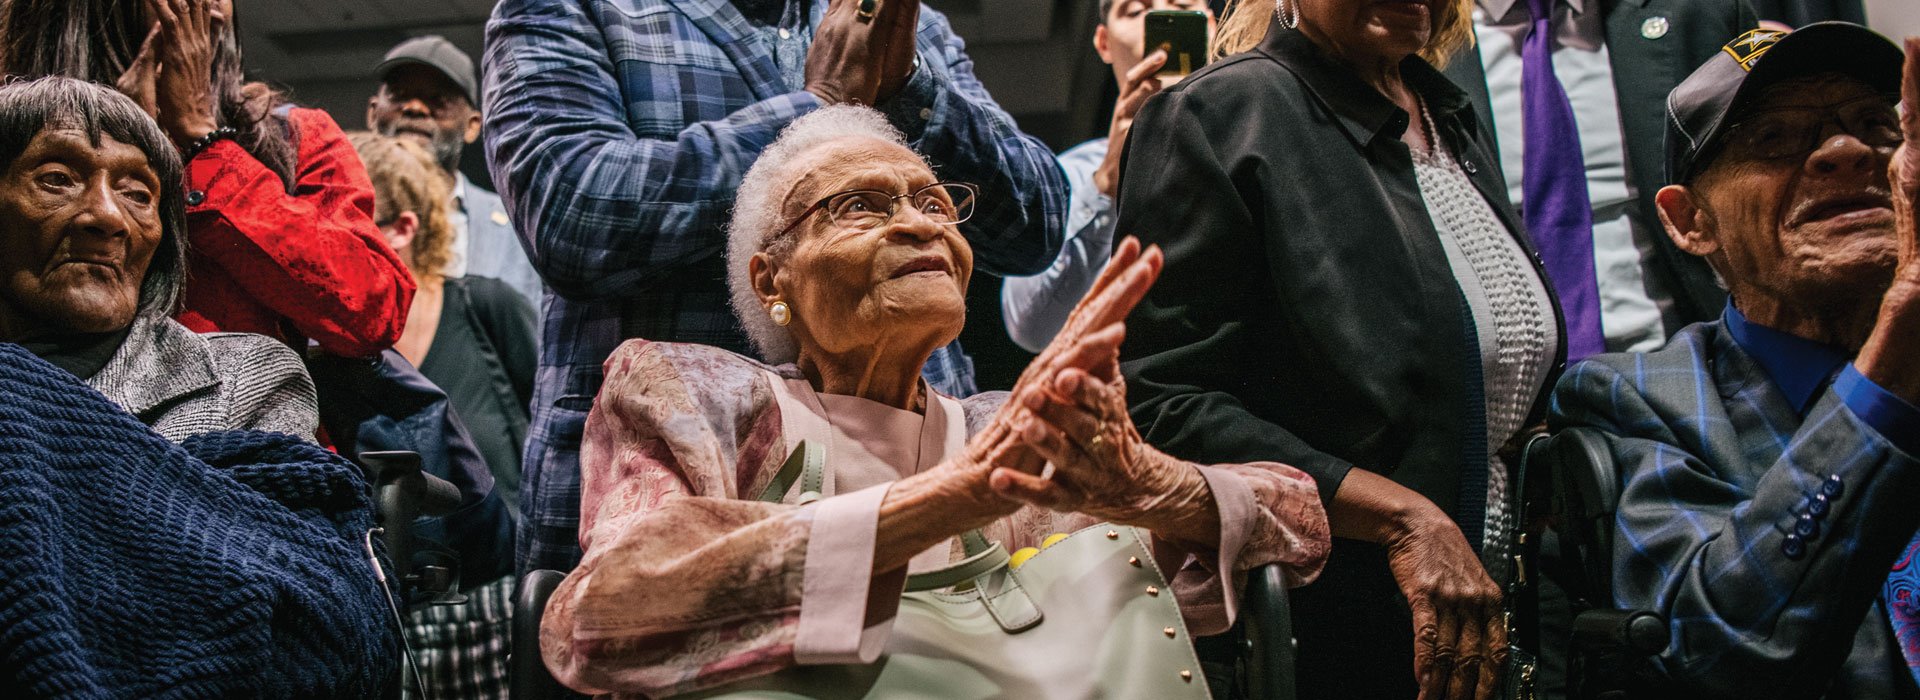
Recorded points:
182,383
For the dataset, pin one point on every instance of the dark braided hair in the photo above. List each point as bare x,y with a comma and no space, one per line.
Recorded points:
95,40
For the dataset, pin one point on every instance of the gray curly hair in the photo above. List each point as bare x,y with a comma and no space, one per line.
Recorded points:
758,214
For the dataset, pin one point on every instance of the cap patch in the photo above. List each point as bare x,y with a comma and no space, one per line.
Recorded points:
1748,49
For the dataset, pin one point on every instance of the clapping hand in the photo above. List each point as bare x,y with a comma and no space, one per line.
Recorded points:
1904,171
1079,345
862,60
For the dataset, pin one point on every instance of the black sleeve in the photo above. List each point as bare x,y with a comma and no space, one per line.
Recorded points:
508,321
1197,349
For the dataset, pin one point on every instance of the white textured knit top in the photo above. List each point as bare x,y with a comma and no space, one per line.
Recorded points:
1512,313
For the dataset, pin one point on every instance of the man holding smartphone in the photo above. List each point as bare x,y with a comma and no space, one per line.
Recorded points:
1036,307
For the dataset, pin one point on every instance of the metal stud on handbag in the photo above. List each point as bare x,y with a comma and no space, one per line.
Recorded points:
1090,616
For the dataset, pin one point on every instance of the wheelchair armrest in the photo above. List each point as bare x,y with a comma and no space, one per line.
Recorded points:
1269,626
528,671
1637,631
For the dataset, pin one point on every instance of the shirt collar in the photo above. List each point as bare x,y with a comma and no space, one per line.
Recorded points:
459,191
1361,110
1497,10
1800,367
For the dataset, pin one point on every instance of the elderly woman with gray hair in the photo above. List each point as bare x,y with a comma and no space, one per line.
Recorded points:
92,261
848,269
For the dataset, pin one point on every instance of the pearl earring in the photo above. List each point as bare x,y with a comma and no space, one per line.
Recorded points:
781,313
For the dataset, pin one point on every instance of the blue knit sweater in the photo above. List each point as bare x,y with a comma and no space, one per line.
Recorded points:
230,566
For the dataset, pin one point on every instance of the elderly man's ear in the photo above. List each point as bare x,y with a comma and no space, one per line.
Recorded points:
1690,225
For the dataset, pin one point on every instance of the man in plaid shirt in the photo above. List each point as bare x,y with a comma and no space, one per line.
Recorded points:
619,130
1768,460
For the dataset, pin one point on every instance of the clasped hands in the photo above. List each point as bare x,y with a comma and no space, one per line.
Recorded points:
1064,440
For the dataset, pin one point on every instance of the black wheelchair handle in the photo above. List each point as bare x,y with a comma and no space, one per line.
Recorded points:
1638,631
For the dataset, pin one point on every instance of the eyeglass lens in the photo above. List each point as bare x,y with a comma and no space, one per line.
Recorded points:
946,203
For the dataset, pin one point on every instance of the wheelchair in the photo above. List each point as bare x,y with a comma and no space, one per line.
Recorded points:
1570,490
1262,641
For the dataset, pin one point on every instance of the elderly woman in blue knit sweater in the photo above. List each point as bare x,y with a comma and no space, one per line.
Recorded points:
92,259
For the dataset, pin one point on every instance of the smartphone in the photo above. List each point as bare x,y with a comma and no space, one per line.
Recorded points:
1183,35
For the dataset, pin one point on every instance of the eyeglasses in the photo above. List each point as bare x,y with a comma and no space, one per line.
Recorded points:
943,202
1792,132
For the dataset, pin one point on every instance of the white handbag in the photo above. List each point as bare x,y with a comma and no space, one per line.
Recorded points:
1090,616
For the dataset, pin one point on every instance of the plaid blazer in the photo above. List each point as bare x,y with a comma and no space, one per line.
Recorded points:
617,131
1721,477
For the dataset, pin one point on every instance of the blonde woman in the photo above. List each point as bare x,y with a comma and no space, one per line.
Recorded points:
472,336
1346,291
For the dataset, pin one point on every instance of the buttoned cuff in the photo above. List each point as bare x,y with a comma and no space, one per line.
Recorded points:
218,173
912,110
838,581
1891,416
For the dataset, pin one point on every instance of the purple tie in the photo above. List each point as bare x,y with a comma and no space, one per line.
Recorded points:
1558,214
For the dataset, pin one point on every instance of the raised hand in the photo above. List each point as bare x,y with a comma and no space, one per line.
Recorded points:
1904,171
1120,286
1886,358
856,61
1142,82
184,88
138,81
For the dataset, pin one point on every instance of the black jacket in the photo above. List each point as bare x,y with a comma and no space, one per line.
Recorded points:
1307,313
1645,70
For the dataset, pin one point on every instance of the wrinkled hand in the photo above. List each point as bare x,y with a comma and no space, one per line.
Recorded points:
1459,628
1120,286
138,81
1886,357
184,88
1101,466
1904,171
855,62
1141,83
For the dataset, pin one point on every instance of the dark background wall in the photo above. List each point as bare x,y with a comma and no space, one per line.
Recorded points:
1035,56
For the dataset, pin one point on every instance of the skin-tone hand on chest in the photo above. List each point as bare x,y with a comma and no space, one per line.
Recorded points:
81,225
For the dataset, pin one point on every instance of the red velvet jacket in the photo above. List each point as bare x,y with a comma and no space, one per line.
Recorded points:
306,265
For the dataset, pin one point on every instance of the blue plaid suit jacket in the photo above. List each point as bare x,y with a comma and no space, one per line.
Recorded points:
1717,469
617,131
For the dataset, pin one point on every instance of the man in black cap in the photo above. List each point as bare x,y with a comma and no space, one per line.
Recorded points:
1768,459
428,93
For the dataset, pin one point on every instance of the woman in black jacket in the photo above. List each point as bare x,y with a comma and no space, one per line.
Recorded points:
1346,291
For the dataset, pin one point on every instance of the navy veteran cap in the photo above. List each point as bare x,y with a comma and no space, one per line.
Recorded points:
439,54
1698,109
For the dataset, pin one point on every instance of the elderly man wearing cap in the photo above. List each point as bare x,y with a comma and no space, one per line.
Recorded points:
1768,459
428,93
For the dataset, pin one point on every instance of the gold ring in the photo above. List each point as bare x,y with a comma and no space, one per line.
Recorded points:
1094,444
867,8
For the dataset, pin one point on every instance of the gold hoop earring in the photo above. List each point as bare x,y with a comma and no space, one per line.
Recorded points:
781,313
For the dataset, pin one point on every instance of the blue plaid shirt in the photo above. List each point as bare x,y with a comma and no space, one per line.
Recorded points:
1767,488
617,131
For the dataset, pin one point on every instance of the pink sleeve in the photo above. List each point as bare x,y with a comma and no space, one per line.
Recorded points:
842,621
1270,513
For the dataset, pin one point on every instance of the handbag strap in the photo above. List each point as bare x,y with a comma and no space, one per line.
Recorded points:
961,571
985,564
808,465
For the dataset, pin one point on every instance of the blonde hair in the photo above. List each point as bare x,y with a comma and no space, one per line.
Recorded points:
406,178
1246,23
